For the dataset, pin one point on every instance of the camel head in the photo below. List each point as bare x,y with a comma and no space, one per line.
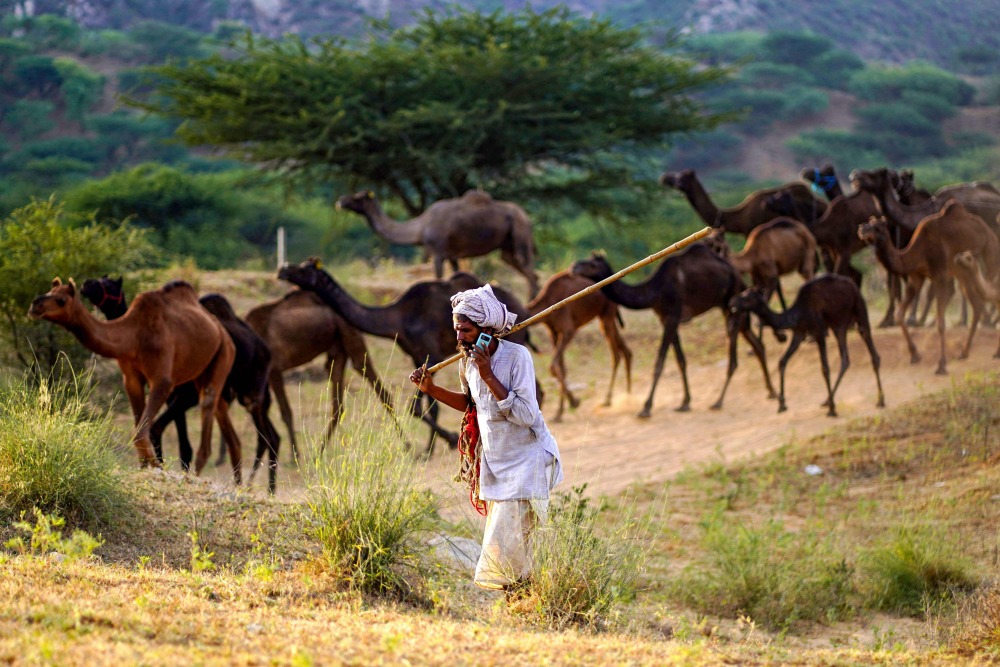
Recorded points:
103,290
869,180
966,260
876,228
781,203
304,274
747,301
359,202
823,177
716,242
596,267
678,180
58,305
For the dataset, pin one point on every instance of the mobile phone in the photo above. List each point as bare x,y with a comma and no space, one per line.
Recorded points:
484,341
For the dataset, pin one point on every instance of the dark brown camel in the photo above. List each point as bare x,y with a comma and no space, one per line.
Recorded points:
750,213
299,327
564,323
930,256
970,273
164,340
683,287
472,225
246,382
772,250
419,321
826,302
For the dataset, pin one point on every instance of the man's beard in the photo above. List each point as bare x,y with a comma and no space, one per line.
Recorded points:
464,348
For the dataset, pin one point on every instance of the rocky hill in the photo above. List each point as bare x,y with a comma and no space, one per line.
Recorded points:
940,31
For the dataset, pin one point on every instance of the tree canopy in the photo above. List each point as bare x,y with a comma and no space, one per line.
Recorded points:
542,102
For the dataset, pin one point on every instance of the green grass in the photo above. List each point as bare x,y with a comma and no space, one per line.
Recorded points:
60,457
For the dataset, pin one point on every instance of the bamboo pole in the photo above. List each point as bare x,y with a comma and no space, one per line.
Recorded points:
680,245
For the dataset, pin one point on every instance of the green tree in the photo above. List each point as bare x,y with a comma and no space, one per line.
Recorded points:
37,243
455,101
794,48
81,87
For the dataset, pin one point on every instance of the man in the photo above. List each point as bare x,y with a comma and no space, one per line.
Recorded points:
520,459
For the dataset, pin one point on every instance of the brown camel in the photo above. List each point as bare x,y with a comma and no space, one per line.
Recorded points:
165,340
969,272
299,327
472,225
827,302
419,321
930,256
772,250
564,323
683,287
751,212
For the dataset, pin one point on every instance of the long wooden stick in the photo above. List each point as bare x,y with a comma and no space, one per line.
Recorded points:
680,245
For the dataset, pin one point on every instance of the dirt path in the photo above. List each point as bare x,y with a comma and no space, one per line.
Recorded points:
610,448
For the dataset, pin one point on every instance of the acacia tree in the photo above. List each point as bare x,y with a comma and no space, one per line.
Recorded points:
528,102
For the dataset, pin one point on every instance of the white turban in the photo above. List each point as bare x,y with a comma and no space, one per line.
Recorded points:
483,307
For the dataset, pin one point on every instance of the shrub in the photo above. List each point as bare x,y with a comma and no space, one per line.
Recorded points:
768,574
81,88
887,84
58,457
585,566
29,118
367,509
911,568
36,245
835,68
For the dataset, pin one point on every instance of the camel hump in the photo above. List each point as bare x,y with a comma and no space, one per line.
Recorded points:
478,197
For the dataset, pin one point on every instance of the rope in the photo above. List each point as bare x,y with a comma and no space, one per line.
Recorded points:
470,452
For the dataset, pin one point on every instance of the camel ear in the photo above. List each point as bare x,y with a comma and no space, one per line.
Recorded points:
72,286
56,282
119,281
370,194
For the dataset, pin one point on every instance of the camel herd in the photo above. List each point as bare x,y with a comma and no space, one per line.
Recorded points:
189,351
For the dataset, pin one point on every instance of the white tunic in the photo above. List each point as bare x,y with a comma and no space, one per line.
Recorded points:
517,444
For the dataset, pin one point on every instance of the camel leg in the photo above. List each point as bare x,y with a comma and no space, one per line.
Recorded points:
893,288
977,311
232,439
661,354
558,370
845,361
619,351
438,266
336,367
159,391
866,334
912,289
429,417
942,293
792,346
268,439
825,366
521,259
277,383
181,400
731,332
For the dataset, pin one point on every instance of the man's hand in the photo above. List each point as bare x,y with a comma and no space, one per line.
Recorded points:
480,356
423,379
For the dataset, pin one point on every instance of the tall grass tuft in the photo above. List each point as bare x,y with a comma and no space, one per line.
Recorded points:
367,508
586,566
58,456
771,575
977,629
911,568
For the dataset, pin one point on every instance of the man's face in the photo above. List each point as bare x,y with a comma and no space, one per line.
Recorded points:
466,333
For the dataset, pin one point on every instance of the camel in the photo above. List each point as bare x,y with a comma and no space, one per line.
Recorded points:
419,321
564,323
827,302
472,225
164,340
930,256
978,198
750,213
772,250
683,287
970,273
299,327
246,382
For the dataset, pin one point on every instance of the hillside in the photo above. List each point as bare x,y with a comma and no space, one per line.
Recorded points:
893,31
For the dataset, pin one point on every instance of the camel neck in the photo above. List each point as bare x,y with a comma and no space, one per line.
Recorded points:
376,321
108,339
409,232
